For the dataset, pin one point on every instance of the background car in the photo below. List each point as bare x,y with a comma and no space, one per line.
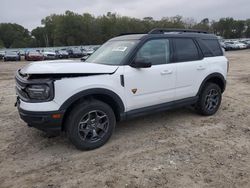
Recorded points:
87,52
231,46
21,52
2,53
34,56
240,45
246,42
49,55
62,54
75,53
12,56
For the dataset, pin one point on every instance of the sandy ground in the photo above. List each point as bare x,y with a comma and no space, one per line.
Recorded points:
176,148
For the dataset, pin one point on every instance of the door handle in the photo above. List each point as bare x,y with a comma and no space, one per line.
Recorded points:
201,68
166,72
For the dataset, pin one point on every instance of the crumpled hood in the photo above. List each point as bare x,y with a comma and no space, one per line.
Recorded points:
67,66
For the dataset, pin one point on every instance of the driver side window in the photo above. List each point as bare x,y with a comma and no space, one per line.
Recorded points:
156,52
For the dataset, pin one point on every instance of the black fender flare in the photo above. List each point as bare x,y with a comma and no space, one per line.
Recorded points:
94,91
211,76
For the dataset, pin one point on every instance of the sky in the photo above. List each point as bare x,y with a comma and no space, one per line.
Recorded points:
29,13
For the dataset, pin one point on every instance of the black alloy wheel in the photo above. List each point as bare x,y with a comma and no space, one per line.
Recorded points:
90,124
209,99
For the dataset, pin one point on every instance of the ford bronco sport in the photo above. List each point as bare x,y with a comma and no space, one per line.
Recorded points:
128,76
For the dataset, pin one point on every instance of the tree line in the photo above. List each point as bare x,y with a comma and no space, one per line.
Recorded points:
85,29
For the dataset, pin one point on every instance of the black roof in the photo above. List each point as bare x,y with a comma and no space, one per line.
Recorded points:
168,33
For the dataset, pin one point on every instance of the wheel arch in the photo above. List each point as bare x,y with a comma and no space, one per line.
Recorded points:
104,95
216,78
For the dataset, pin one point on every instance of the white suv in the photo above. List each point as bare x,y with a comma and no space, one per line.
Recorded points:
128,76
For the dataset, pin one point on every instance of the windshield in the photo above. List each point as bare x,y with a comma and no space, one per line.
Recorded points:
11,53
112,52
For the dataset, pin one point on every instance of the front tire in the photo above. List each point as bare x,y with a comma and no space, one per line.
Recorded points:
90,124
209,100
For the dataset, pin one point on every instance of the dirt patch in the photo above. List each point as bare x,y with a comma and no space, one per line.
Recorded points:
176,148
245,78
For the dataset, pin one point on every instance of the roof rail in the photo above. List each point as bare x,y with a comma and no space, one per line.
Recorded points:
121,34
163,30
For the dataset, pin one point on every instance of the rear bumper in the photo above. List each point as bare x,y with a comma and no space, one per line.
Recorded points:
45,121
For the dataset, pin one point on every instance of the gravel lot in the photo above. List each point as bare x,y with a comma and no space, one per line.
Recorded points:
176,148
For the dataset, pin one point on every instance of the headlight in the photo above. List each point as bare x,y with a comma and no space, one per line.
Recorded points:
38,92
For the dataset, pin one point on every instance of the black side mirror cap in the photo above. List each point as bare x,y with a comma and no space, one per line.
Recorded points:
141,64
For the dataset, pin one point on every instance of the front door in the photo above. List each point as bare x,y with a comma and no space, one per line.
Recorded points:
154,85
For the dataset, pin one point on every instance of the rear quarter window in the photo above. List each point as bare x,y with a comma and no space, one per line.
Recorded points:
214,46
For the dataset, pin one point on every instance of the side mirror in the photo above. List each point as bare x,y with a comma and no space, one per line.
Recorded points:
84,58
140,63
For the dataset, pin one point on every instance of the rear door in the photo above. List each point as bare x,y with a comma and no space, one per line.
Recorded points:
191,68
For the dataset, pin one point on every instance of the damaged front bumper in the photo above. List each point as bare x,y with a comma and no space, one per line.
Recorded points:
45,121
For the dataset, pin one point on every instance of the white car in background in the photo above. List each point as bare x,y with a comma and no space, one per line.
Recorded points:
240,45
234,45
49,55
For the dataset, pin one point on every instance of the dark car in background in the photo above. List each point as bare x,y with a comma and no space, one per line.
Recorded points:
34,56
12,56
75,53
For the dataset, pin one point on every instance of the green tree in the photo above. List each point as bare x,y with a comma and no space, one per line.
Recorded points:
247,32
40,37
83,29
203,25
14,35
1,44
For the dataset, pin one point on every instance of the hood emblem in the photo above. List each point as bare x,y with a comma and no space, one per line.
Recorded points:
134,90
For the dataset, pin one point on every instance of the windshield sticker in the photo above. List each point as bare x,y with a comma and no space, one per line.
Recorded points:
120,49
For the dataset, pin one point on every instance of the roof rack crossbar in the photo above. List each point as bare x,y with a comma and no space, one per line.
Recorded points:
163,30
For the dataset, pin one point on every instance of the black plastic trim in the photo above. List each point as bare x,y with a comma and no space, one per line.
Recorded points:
213,75
159,107
42,120
122,80
95,91
163,30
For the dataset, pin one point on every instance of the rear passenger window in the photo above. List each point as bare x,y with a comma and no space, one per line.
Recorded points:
214,46
185,50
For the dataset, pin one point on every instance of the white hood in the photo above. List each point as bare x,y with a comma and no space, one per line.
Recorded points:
66,66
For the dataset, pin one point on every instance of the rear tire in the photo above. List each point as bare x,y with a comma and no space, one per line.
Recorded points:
90,124
209,100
